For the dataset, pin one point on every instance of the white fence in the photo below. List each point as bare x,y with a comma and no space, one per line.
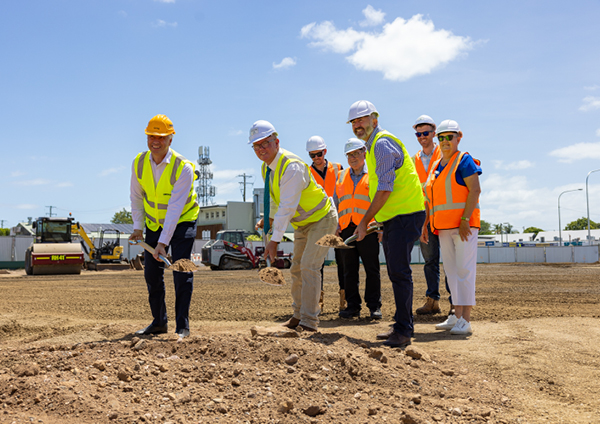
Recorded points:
12,249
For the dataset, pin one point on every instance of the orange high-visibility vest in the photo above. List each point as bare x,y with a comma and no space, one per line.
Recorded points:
437,154
447,199
353,202
331,176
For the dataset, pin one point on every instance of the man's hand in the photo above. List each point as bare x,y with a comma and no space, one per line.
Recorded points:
137,235
271,250
464,231
338,230
259,224
160,250
424,235
361,230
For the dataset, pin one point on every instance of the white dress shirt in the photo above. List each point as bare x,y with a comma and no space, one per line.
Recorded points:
177,201
295,179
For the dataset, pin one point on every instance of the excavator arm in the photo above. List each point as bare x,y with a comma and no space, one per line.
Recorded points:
78,229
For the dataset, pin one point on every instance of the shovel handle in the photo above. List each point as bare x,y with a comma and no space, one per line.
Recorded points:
355,236
150,249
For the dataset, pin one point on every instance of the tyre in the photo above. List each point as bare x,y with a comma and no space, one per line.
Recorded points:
28,266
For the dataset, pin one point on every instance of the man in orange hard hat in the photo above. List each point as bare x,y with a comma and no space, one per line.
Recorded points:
163,201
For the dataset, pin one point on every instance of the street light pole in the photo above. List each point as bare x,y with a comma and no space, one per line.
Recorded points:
507,223
559,227
587,200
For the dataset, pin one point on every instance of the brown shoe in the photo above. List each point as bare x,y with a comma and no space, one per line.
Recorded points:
386,335
343,303
306,328
430,307
321,303
291,323
397,340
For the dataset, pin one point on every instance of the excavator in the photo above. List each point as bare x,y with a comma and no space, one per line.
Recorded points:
54,252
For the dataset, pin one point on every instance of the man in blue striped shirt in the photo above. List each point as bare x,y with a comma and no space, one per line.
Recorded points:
397,202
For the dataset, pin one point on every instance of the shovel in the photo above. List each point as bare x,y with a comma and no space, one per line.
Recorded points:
372,228
336,242
162,257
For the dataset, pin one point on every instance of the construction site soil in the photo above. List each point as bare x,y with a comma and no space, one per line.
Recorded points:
68,353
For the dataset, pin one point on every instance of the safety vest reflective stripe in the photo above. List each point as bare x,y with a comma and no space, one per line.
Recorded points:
156,195
314,202
331,176
353,201
423,173
447,199
407,194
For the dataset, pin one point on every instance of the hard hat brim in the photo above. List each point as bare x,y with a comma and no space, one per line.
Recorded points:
159,134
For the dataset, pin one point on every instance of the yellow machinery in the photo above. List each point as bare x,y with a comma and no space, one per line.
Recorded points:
54,252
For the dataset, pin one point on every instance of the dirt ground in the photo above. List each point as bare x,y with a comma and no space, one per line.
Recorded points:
67,353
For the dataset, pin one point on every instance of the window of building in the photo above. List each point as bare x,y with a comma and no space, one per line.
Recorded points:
206,215
212,214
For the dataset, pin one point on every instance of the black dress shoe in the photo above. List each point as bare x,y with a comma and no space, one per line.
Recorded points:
152,329
376,314
350,313
397,340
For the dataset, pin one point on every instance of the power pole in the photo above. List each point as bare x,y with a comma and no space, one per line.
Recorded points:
205,191
2,223
50,214
243,184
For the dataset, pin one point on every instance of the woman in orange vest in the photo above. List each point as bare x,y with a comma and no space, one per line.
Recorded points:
452,195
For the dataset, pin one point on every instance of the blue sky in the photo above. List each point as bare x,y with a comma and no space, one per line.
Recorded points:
81,79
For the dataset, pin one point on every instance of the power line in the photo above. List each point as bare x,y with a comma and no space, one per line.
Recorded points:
243,184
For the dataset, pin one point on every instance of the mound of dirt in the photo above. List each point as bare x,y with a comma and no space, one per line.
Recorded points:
272,276
183,265
331,240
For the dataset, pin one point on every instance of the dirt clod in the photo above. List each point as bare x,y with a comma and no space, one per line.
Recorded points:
272,276
331,240
183,265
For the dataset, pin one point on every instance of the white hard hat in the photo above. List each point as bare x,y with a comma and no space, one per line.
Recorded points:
260,130
448,126
424,119
361,108
315,143
353,144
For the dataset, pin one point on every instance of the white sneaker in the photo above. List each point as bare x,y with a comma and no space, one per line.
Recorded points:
462,327
448,324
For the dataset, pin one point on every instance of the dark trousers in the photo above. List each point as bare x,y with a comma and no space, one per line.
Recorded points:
366,250
181,246
431,255
399,236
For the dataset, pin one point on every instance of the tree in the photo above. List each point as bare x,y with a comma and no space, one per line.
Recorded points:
486,227
498,229
581,224
122,217
4,231
534,230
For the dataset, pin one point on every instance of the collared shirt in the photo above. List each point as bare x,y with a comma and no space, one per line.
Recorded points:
425,159
322,173
388,157
295,179
355,179
179,196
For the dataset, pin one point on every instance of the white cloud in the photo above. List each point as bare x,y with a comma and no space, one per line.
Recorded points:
227,182
235,133
512,166
163,24
590,103
26,206
15,174
402,50
577,151
65,184
110,171
592,87
122,13
165,1
373,17
598,132
286,63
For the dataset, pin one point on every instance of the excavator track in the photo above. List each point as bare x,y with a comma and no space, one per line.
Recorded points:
230,263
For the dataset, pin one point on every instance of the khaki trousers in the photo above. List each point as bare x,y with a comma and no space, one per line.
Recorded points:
306,268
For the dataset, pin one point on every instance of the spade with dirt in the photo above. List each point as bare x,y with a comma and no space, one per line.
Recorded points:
271,275
331,240
181,265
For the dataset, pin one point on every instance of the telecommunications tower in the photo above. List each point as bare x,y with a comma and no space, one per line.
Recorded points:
206,191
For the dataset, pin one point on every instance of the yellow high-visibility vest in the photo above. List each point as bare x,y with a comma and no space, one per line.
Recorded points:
156,198
407,194
314,202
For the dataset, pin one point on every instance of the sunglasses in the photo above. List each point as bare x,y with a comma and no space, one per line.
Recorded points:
260,146
445,137
355,154
316,155
424,133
